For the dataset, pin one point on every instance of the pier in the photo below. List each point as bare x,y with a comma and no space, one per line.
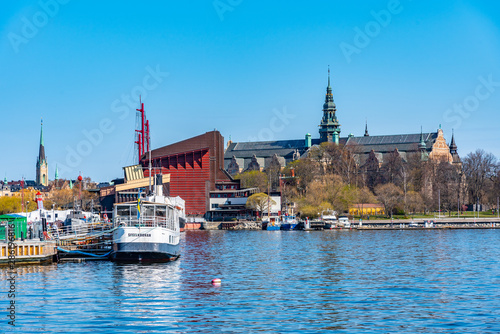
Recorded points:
28,252
428,223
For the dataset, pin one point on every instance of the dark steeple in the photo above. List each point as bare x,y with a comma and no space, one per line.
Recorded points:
41,151
329,129
453,146
453,149
41,163
422,146
366,129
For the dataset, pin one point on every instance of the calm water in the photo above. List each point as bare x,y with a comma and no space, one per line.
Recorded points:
308,282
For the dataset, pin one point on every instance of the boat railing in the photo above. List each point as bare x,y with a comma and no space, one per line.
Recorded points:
72,231
146,222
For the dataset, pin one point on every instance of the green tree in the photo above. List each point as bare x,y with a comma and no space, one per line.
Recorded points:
13,205
328,192
253,179
259,202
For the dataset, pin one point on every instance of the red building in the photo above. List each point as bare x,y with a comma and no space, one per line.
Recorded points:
195,166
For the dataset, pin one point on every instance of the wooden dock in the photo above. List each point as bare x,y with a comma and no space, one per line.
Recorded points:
28,252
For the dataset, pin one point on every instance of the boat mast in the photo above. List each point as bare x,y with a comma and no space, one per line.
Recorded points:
142,133
143,138
149,171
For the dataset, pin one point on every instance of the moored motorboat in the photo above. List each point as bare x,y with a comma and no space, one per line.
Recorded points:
289,223
273,224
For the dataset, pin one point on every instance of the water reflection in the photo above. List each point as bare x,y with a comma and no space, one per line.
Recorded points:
347,281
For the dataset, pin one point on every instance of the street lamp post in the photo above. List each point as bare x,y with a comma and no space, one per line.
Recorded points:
27,202
439,203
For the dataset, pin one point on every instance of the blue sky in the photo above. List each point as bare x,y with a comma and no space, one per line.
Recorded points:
254,70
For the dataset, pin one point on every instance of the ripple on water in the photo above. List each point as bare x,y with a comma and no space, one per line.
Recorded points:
343,281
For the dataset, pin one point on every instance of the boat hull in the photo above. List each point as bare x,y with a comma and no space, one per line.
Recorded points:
142,256
289,226
271,226
132,244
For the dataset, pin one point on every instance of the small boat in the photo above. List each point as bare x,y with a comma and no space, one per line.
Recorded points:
273,224
289,223
148,230
330,221
344,222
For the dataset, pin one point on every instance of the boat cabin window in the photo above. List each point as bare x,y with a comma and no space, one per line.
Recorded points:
147,211
133,211
123,211
161,211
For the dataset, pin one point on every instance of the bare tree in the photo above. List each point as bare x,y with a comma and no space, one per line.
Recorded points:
393,168
371,169
273,171
364,196
446,182
478,168
414,202
390,196
306,171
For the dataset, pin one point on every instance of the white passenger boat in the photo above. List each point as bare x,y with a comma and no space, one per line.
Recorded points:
148,230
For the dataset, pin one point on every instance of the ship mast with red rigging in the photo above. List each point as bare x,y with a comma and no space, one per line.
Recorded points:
142,133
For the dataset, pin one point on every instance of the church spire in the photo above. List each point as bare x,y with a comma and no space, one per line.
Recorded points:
329,127
422,145
41,162
453,145
56,177
329,77
453,148
366,129
41,151
329,94
41,132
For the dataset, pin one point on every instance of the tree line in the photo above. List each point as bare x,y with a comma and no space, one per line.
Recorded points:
57,197
332,178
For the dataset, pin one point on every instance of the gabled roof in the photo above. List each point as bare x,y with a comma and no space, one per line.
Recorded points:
403,142
266,149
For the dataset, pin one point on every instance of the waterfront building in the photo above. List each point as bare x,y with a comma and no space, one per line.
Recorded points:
244,156
42,168
196,167
195,171
367,209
